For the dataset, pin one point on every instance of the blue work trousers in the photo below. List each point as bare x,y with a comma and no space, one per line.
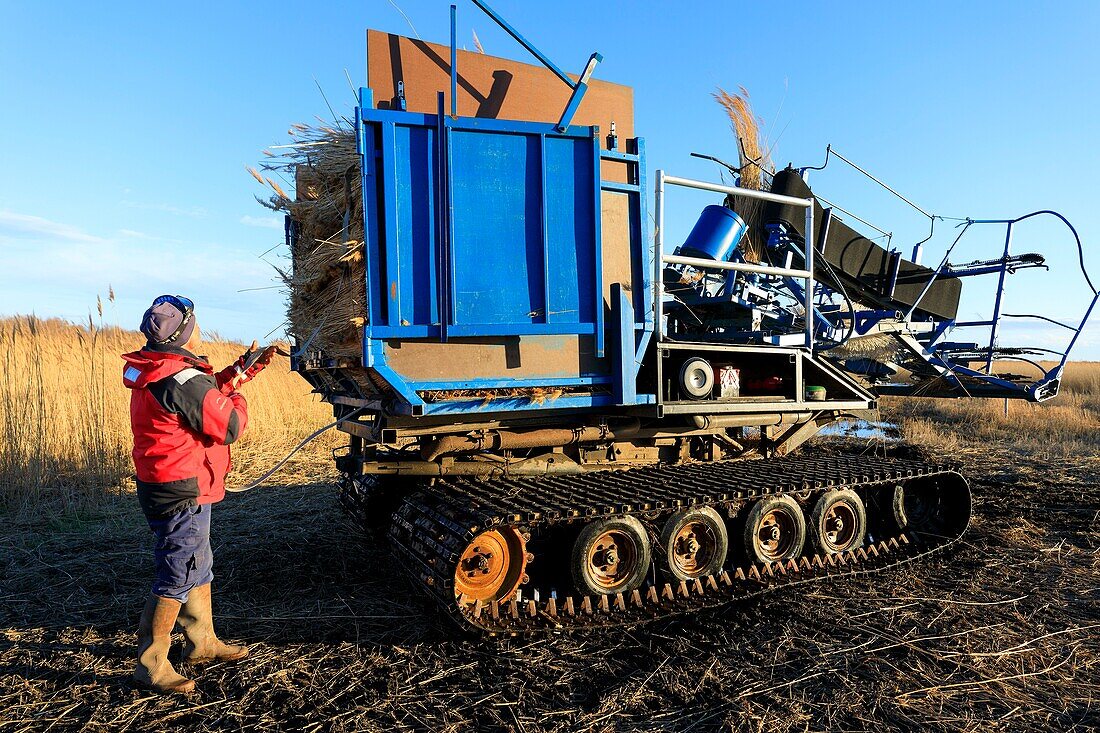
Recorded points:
182,552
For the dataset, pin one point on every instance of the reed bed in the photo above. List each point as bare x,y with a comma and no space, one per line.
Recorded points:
999,634
65,414
1067,426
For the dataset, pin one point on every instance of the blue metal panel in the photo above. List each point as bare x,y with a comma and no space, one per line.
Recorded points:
519,127
597,239
371,225
571,270
516,404
544,222
640,246
512,329
626,370
483,329
391,259
366,100
503,383
414,216
620,187
619,155
496,213
444,265
644,250
412,404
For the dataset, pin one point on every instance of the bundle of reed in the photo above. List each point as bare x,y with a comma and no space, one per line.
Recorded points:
756,167
326,309
877,346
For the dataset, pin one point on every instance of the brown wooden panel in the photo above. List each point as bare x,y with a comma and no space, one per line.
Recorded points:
617,260
503,357
488,86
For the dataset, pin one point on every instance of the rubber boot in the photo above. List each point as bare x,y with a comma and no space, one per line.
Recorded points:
201,643
153,669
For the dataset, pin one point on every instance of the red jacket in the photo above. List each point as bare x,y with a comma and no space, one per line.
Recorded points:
184,419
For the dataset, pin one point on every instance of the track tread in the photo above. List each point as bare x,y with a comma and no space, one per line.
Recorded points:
433,526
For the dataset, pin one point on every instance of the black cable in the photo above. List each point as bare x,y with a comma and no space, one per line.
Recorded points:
1076,237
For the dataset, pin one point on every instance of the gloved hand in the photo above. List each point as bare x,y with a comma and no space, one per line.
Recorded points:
250,363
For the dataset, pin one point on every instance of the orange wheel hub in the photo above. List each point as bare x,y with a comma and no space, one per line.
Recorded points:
492,566
838,527
612,559
693,547
775,534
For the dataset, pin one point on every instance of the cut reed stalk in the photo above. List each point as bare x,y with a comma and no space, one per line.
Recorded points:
755,163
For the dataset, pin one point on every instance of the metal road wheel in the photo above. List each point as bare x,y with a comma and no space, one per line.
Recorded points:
918,506
697,378
492,566
839,522
775,530
695,543
610,556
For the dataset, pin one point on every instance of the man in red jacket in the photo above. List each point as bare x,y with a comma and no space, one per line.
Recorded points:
184,417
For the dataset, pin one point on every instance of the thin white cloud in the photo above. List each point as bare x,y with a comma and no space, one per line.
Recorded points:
266,222
195,212
1047,336
142,236
77,258
36,228
56,269
134,234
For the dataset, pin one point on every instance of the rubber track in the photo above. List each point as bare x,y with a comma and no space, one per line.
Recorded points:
432,528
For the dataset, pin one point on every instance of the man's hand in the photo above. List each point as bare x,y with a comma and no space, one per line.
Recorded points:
251,363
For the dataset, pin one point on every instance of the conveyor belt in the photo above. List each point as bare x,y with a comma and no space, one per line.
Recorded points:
866,268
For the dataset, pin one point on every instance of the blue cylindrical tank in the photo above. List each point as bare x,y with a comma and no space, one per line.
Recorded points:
715,235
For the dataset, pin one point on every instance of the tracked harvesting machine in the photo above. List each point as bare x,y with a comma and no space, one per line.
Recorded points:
550,406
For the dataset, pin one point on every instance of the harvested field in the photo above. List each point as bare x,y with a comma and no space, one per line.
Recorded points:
1002,634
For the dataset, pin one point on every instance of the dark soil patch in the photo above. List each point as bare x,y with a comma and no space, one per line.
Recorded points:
1001,634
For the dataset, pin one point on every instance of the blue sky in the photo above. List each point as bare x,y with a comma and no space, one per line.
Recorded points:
128,127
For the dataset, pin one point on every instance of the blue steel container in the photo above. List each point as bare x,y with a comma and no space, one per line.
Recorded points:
715,235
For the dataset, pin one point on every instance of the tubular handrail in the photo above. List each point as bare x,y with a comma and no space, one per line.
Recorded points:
702,264
661,258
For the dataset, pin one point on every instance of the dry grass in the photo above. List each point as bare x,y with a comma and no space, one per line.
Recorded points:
756,163
1067,426
65,414
999,635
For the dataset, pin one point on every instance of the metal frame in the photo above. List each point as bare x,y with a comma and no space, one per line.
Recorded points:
638,193
391,325
633,331
863,399
660,258
1003,266
924,340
